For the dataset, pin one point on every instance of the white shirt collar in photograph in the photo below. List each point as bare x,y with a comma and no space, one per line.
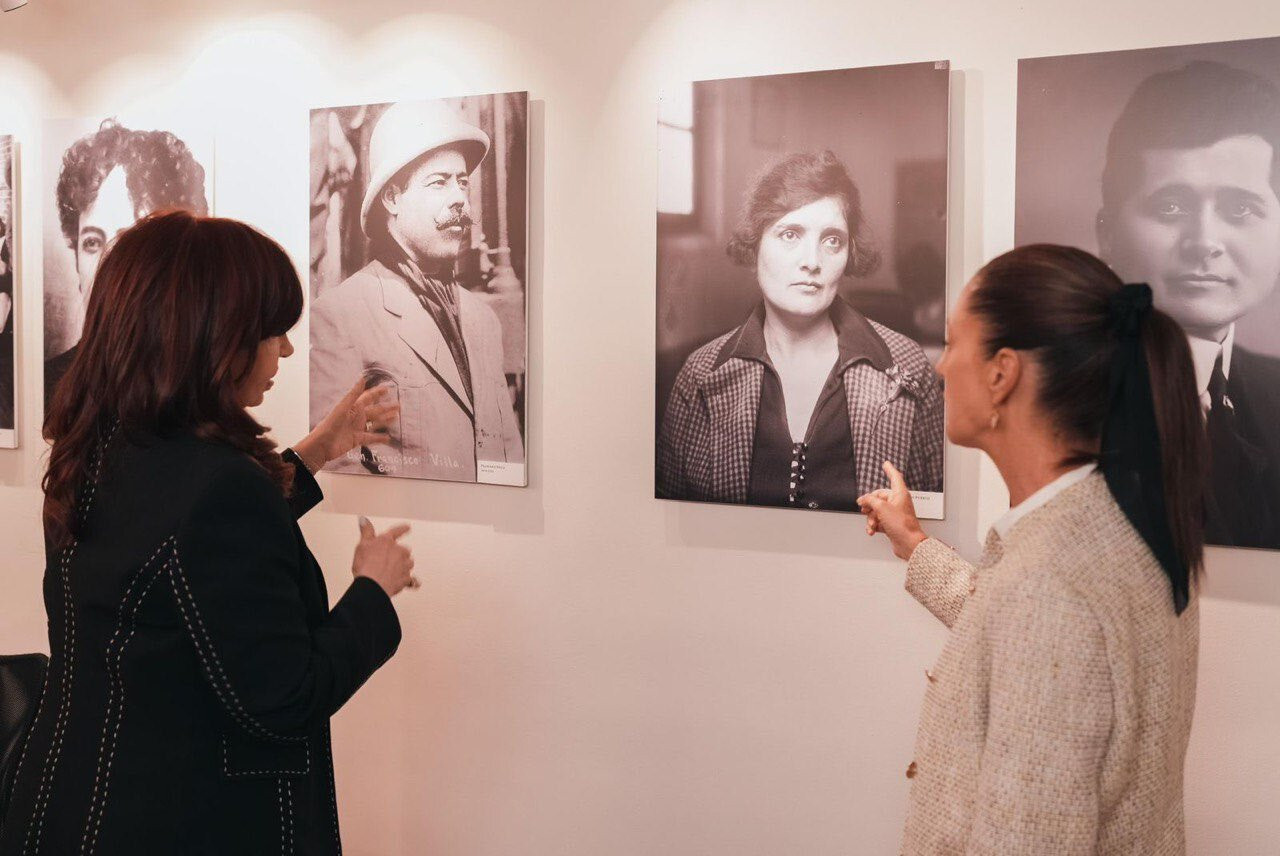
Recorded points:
1204,353
1041,497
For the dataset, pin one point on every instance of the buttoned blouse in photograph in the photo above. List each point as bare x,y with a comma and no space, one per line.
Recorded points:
1057,718
725,436
195,662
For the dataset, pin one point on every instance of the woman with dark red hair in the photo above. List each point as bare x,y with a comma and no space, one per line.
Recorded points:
195,659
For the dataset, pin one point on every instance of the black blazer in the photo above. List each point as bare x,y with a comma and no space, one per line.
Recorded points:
195,665
1249,515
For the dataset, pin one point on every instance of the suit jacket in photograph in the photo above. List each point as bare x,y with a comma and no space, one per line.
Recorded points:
372,325
1249,513
195,662
1056,719
709,427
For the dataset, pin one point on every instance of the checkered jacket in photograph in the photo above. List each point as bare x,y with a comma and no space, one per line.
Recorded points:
709,427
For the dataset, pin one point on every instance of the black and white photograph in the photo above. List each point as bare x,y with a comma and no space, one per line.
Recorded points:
801,287
419,278
8,280
1166,163
101,176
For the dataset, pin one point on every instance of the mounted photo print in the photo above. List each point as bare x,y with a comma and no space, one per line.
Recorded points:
101,176
1166,163
8,281
419,222
802,270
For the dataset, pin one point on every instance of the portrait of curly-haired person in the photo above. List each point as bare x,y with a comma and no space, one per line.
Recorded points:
106,180
801,334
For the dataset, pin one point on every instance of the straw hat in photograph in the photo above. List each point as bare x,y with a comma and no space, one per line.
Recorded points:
406,132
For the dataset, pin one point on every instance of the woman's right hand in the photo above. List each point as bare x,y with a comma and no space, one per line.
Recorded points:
892,512
383,559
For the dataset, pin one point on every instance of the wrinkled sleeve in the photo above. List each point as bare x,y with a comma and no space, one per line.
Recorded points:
306,493
674,437
335,365
924,469
940,578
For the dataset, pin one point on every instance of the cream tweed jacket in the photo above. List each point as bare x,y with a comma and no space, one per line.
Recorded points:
1056,719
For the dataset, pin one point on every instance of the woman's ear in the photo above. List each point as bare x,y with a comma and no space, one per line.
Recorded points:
1004,371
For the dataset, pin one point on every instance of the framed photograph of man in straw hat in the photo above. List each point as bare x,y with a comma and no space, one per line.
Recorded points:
418,276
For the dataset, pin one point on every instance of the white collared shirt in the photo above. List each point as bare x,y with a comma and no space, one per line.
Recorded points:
1042,497
1204,353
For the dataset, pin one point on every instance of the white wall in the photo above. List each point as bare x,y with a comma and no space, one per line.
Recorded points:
587,670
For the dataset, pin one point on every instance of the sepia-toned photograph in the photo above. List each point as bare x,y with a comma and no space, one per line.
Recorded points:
102,176
419,278
1166,163
8,258
801,287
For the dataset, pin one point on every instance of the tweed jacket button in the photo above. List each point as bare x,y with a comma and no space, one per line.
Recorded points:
911,770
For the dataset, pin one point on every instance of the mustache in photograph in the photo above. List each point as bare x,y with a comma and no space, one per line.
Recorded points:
458,219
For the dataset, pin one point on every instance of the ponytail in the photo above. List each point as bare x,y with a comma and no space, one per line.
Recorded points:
1184,445
1116,377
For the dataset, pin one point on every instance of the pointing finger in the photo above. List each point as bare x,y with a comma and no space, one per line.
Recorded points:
896,482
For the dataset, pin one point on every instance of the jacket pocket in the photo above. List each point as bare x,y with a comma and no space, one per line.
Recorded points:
246,757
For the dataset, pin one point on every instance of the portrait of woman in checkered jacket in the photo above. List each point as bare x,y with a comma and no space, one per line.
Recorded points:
801,403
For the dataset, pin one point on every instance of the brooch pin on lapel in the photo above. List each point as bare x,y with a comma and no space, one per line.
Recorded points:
909,382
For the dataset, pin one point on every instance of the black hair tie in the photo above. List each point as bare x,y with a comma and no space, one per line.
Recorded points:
1131,459
1129,305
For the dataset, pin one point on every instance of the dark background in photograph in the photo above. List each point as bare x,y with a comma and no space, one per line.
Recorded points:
1066,107
8,256
889,127
340,173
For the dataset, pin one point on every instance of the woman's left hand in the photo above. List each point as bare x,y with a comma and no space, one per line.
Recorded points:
359,419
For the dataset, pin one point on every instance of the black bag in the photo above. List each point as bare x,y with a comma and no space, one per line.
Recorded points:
21,680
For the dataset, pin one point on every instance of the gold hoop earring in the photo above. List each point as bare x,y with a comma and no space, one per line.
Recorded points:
995,419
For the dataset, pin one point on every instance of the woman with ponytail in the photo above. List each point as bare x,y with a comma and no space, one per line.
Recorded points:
1057,718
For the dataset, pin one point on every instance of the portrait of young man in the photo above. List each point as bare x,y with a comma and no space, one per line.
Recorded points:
106,176
431,301
1190,204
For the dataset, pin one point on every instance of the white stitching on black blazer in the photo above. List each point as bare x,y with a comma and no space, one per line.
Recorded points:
243,774
49,771
333,790
114,715
203,643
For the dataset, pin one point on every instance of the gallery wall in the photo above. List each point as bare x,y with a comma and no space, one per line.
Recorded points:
587,670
